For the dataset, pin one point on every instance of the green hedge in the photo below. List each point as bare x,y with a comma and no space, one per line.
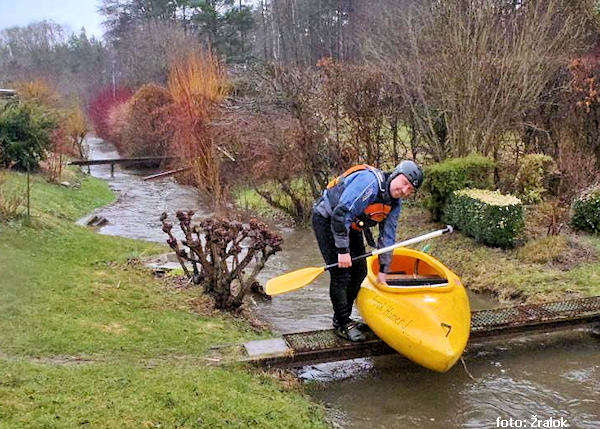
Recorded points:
488,216
586,211
474,171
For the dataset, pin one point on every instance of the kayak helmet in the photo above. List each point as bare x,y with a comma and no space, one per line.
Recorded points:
411,171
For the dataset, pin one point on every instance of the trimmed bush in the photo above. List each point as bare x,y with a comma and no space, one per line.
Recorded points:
586,211
488,216
538,175
474,171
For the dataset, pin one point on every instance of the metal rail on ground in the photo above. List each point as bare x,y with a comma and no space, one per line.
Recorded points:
303,348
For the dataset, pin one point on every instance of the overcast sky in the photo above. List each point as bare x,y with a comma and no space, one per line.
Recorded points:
72,14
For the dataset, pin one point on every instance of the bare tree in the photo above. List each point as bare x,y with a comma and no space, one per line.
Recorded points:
471,70
300,32
144,53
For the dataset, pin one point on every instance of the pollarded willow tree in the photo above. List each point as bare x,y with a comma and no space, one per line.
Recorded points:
225,256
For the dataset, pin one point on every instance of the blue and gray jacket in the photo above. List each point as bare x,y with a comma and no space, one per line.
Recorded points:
347,201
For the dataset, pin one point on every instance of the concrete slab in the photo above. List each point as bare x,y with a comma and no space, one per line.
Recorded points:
265,348
166,261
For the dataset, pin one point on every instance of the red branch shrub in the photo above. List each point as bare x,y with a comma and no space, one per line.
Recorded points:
101,105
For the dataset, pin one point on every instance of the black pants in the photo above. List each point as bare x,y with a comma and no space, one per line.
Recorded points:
344,282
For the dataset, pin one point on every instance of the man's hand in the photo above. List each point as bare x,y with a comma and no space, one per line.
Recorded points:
344,260
381,278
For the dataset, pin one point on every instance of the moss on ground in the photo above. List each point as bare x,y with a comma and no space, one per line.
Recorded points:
88,337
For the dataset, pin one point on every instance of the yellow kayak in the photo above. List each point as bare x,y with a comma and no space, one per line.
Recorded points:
423,312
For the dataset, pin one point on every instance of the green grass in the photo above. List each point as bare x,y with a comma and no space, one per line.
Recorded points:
249,200
556,273
126,395
70,294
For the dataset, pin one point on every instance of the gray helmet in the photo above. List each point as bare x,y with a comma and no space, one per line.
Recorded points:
411,171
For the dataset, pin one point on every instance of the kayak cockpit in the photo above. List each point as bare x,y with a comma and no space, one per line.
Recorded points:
411,270
415,280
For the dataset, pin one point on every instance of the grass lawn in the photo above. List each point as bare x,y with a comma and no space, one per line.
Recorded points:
249,201
545,268
90,339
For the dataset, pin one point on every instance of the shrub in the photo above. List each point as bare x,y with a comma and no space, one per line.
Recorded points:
225,256
145,133
25,134
59,148
553,214
11,199
474,171
198,83
537,176
488,216
39,92
116,121
101,105
586,211
270,144
76,128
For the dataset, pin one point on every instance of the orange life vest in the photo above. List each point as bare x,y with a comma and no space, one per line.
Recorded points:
373,213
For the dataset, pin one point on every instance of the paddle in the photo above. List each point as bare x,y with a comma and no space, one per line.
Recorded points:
297,279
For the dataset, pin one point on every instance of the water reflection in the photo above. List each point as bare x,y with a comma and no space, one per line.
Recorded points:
557,380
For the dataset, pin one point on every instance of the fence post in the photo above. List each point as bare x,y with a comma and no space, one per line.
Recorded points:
28,196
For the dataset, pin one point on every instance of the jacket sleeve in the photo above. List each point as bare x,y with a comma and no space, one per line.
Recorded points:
387,236
358,194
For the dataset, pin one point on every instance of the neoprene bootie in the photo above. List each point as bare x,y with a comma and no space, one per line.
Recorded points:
351,332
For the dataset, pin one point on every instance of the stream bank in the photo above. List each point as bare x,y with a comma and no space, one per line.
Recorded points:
89,338
560,380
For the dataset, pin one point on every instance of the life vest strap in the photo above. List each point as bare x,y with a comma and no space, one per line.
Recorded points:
359,167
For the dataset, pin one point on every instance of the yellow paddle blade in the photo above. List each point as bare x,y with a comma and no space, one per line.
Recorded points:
292,281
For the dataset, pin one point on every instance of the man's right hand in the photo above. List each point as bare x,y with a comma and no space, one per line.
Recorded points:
344,260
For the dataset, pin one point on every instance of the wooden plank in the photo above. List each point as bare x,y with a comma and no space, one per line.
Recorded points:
121,160
166,173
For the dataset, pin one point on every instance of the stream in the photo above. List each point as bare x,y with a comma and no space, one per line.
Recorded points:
532,382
